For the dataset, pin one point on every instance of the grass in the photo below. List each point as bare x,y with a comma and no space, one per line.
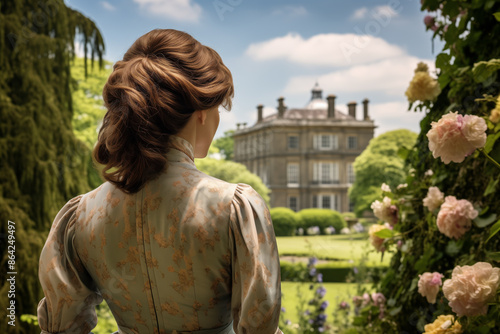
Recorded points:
335,294
332,247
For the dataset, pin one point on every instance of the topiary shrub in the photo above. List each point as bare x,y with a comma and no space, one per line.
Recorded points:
285,221
322,218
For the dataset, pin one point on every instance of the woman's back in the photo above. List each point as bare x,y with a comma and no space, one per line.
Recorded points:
187,252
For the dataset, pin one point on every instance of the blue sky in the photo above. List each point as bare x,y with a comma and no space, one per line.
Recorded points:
354,49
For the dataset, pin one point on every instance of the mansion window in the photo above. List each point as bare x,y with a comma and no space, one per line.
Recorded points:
352,142
293,142
326,173
350,174
326,201
292,203
292,174
325,142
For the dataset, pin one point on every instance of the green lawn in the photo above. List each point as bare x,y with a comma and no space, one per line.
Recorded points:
335,294
338,247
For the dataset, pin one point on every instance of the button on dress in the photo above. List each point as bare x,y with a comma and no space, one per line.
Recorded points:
188,253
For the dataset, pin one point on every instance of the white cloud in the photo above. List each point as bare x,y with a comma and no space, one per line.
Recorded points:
324,49
384,10
359,13
106,5
390,76
179,10
266,111
380,12
290,11
393,116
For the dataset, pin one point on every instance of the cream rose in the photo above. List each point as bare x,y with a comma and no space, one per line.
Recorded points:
428,285
454,136
433,199
495,115
376,241
385,211
385,188
444,325
454,217
471,288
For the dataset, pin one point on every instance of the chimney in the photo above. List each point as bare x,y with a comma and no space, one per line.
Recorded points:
238,126
331,106
281,107
352,109
365,110
259,113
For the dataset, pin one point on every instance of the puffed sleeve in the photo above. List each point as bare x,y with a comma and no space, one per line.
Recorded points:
256,290
70,293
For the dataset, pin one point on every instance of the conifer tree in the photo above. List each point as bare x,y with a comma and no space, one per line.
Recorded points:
42,164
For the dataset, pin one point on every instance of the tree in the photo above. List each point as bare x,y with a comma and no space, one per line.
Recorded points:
43,165
233,172
379,163
225,144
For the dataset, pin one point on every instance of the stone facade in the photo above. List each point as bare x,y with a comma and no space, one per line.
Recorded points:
305,156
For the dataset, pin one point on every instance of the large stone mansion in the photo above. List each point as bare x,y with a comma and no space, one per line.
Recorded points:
305,155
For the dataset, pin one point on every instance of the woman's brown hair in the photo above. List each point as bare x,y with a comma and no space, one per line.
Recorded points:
163,78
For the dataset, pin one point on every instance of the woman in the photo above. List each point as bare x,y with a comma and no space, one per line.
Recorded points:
172,250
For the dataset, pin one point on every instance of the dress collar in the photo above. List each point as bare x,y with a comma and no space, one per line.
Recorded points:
181,150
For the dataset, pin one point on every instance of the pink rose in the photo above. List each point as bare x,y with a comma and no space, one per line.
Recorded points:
378,299
429,21
471,288
454,136
433,199
428,285
366,299
454,217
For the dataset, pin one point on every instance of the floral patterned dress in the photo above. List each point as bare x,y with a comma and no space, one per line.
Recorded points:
187,254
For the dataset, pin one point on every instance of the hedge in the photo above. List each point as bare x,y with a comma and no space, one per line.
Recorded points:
285,221
331,272
322,218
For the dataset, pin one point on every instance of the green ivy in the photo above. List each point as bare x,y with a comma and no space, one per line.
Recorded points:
468,73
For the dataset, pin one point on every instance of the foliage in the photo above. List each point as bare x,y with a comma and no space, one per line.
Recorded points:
88,105
468,76
233,172
225,144
379,163
285,221
106,323
42,164
322,218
